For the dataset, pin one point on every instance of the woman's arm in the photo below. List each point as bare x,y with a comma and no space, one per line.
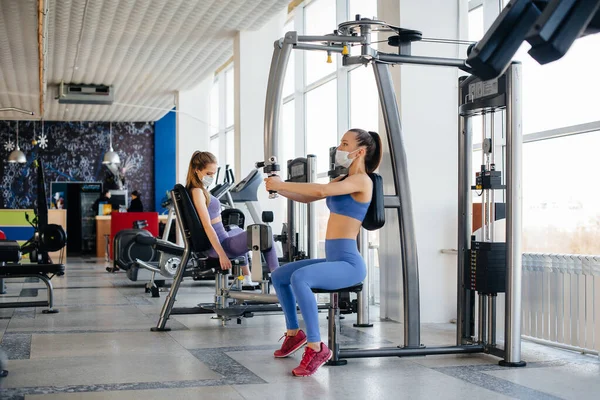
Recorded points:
303,198
200,203
298,197
352,184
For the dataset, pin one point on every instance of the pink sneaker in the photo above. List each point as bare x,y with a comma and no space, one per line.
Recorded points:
312,360
291,344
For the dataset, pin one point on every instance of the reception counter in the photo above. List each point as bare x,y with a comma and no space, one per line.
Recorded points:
16,227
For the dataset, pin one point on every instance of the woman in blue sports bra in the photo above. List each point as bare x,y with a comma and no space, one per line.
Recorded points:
348,199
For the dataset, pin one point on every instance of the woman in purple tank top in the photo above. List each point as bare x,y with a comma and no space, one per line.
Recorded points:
201,171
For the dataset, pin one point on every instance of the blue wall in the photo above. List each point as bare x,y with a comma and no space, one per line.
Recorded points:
164,157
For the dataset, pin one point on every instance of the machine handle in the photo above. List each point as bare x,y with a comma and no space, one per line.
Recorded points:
270,168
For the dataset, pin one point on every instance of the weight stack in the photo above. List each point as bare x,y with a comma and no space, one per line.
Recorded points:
487,274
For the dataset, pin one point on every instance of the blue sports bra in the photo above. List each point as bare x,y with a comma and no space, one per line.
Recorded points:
346,205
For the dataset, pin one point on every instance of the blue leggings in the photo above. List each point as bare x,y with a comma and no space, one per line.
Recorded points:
293,282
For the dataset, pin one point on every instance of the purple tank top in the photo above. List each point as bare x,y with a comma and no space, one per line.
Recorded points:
214,211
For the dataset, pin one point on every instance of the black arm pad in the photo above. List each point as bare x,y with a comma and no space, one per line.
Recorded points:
145,240
168,247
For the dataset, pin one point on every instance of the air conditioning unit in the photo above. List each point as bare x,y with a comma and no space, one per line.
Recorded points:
85,94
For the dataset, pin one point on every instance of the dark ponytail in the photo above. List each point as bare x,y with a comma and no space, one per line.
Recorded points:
372,142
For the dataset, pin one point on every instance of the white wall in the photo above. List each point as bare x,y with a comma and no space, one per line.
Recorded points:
428,103
252,58
193,133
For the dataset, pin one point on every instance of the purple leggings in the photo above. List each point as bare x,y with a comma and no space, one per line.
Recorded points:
235,244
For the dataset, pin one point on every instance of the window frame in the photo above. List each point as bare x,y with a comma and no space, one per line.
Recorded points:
220,79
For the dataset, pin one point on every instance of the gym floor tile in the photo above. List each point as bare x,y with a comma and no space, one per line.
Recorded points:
107,344
223,336
103,318
572,381
363,379
448,360
204,393
106,369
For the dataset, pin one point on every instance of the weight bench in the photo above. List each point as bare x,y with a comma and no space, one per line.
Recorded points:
333,325
10,252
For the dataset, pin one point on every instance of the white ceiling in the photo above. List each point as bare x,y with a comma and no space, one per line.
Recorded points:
146,49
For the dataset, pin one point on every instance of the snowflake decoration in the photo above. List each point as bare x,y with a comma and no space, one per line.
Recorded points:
84,163
9,146
43,141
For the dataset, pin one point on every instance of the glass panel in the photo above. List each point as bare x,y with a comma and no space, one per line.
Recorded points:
562,93
319,19
288,137
214,108
366,9
229,98
321,123
476,24
561,211
364,100
214,145
230,148
477,124
288,82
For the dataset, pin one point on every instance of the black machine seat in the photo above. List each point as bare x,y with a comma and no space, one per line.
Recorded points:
351,289
54,269
194,233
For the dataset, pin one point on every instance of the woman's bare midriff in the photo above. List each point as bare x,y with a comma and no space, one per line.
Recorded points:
342,227
215,220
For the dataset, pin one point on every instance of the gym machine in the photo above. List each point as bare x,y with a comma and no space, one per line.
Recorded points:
246,192
46,238
230,300
550,26
134,250
501,94
301,169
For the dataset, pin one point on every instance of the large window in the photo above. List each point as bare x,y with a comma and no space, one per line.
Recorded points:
562,93
561,211
321,123
319,20
476,23
561,207
222,143
290,74
288,124
366,9
364,100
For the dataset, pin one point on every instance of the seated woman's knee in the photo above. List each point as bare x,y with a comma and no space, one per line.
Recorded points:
299,277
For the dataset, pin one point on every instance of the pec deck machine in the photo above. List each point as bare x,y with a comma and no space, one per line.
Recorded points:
486,267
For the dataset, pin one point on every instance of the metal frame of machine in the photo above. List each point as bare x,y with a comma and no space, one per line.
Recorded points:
359,33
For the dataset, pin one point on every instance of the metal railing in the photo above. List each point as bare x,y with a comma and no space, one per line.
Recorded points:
561,300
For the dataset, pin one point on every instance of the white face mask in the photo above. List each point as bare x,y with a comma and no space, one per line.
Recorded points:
207,181
341,158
